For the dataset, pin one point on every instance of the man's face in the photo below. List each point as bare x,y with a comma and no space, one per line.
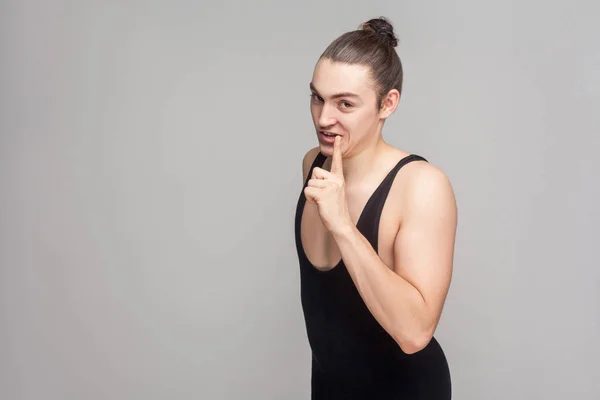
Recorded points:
343,102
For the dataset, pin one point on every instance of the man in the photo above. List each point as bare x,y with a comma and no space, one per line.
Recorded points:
375,232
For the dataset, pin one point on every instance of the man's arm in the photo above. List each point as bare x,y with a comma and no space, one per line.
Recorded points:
408,301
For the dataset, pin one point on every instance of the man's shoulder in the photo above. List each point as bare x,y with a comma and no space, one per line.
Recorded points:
307,161
424,173
426,186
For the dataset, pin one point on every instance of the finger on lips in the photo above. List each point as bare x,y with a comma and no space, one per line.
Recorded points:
336,159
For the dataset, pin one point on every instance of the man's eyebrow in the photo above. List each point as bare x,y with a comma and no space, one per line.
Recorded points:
335,96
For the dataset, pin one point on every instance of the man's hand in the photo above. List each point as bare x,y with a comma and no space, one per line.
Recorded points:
327,190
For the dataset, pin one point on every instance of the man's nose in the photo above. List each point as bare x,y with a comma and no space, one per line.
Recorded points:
327,117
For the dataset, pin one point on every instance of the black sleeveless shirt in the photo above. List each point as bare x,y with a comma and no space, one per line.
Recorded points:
353,357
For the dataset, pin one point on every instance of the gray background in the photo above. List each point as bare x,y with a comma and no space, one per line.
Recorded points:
150,163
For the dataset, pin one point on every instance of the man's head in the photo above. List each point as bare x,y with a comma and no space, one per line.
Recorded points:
356,85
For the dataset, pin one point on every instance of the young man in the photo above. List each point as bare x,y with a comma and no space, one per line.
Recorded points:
375,233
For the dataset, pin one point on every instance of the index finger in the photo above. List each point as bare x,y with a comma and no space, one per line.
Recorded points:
336,159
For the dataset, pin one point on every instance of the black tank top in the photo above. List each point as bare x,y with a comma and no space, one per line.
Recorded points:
353,357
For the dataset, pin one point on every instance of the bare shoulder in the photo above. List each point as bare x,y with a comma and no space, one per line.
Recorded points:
428,191
307,161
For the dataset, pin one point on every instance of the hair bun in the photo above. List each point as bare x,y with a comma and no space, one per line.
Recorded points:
383,28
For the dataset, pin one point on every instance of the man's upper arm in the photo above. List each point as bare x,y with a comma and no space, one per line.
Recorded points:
424,246
307,161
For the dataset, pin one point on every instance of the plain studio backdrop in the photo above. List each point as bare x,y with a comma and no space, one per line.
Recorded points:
151,163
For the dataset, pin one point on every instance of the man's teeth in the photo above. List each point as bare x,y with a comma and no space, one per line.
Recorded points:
329,134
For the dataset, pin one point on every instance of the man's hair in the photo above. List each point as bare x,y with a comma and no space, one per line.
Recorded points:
372,45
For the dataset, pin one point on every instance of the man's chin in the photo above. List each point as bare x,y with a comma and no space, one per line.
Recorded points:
326,149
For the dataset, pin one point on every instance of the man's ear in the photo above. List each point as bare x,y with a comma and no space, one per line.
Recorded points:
389,103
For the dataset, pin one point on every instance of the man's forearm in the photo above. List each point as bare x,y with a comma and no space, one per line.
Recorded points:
396,304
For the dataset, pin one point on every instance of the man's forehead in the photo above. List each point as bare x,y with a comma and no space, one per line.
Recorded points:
330,78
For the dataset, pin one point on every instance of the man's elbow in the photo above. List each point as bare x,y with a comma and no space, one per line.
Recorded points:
415,342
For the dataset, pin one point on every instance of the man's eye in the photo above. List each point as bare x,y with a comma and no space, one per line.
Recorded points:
315,97
345,104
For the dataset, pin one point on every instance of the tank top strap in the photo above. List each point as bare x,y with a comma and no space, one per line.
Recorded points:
370,223
317,162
